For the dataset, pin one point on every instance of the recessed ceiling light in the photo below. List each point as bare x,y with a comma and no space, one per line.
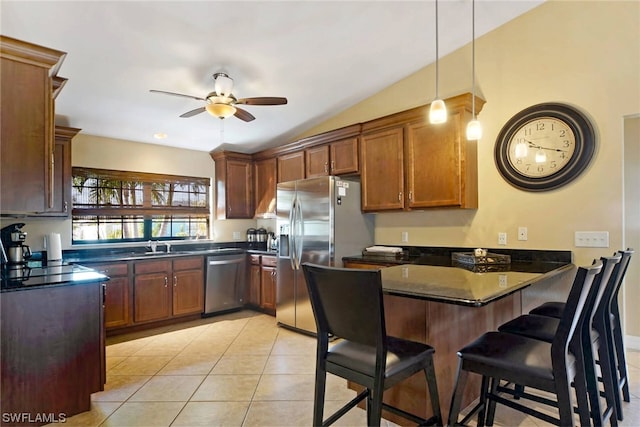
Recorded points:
159,135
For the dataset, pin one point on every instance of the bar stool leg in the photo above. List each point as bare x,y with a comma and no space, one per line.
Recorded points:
458,392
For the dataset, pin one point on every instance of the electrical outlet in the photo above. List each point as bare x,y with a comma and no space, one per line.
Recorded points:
405,237
522,233
591,239
405,272
237,235
502,238
502,281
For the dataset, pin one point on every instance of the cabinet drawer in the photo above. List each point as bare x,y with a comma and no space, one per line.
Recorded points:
112,270
270,261
194,263
255,259
152,267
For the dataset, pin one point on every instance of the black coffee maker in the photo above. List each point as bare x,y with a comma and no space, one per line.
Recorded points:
14,251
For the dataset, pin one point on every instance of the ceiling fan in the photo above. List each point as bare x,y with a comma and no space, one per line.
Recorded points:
222,103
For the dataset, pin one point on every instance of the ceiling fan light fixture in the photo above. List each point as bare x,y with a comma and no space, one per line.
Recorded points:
223,84
221,111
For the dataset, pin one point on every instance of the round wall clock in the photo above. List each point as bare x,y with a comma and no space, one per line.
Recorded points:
544,146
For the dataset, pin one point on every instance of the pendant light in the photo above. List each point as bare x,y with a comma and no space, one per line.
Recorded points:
474,128
437,111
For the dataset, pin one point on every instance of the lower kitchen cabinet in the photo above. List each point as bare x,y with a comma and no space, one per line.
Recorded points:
117,308
168,288
188,286
261,292
268,281
152,294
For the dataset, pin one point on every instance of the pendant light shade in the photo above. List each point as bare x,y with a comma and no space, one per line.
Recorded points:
474,128
438,110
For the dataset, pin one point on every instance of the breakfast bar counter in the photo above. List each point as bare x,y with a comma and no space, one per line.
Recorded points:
447,306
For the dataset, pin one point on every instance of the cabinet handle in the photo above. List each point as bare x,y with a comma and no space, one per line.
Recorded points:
175,281
333,165
66,207
166,281
400,196
410,195
326,167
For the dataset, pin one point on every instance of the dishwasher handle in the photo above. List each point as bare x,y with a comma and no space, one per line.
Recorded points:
227,261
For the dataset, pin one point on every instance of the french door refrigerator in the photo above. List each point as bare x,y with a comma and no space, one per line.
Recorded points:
319,221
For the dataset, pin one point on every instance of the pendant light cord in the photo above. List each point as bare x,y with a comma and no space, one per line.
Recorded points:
437,56
473,59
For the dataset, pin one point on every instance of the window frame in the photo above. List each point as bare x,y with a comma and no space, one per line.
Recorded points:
148,210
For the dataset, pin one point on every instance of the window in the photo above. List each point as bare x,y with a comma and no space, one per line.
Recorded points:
120,206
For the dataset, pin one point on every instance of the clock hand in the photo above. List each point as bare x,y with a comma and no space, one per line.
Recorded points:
540,147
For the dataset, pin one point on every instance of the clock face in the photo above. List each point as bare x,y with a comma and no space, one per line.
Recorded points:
544,147
541,147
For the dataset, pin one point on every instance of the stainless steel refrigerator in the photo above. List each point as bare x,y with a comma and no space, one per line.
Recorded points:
319,221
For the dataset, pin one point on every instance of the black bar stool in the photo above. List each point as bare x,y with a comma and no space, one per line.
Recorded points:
592,342
347,304
528,362
607,322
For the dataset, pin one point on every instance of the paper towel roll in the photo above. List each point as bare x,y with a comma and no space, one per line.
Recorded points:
54,246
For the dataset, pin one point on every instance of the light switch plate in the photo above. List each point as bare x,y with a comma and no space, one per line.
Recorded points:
591,239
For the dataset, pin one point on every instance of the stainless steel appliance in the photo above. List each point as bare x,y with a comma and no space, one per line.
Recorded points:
13,247
319,221
225,283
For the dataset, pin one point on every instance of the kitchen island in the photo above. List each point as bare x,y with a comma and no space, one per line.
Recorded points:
430,299
52,348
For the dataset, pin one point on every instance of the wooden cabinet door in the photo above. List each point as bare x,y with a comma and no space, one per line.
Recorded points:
382,172
264,184
317,161
152,297
117,308
239,198
188,292
62,171
268,289
344,156
116,305
253,296
291,166
27,137
435,164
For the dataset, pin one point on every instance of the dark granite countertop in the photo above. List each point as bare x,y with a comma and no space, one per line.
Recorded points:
431,273
33,276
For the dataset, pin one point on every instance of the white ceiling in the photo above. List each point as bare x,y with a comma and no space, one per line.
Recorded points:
324,56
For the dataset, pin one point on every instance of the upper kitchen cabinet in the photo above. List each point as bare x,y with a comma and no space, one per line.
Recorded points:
264,185
332,153
234,194
62,171
291,166
423,165
27,126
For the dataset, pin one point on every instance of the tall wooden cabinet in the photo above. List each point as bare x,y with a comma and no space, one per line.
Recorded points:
62,171
408,163
261,292
234,187
27,130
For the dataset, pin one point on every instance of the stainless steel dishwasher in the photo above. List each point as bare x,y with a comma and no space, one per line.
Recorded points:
225,285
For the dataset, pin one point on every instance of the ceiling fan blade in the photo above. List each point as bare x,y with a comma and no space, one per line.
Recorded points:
244,115
263,100
192,112
177,94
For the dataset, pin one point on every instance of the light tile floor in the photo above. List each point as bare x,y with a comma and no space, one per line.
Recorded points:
237,369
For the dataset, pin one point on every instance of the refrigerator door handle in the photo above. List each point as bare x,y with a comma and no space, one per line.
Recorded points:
292,233
299,235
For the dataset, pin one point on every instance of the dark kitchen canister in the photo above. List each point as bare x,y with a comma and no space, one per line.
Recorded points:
251,235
